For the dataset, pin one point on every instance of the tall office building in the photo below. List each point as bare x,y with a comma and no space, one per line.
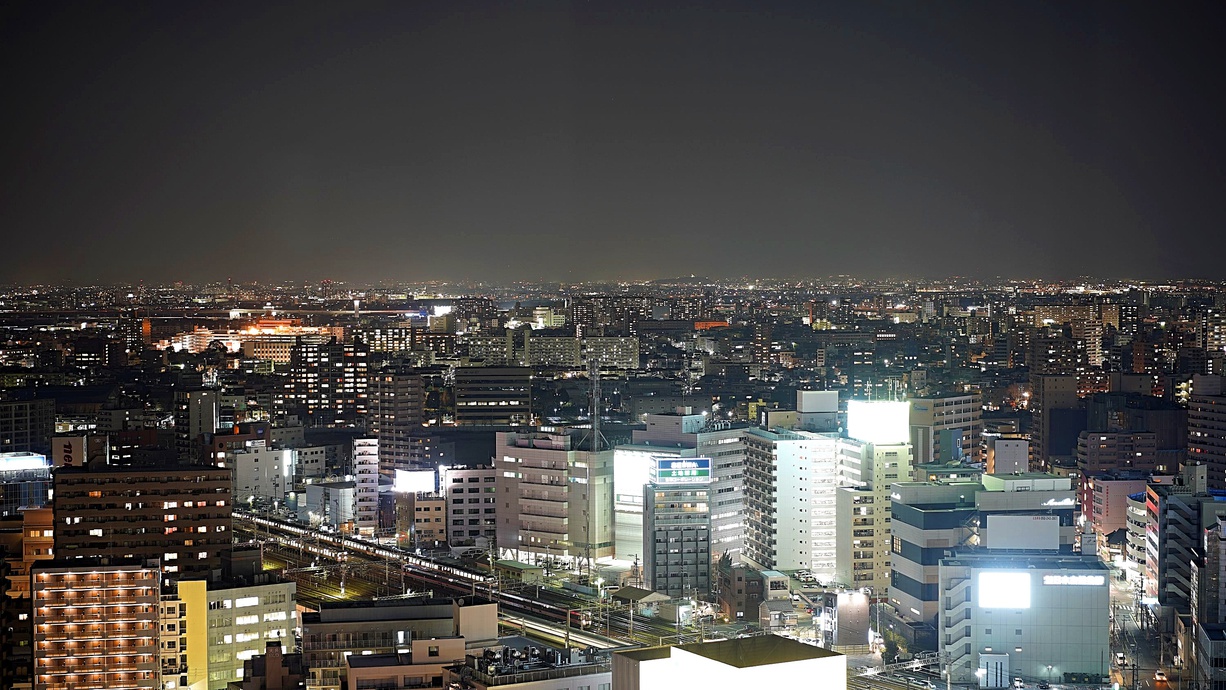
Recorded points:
397,410
96,624
469,489
25,482
685,434
790,483
561,496
1207,435
178,515
493,396
677,528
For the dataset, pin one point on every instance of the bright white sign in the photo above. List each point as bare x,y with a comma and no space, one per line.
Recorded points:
879,422
1074,580
1003,590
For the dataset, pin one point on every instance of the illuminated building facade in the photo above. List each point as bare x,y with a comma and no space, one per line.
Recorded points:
236,621
677,527
96,624
25,479
493,396
564,494
1038,617
790,482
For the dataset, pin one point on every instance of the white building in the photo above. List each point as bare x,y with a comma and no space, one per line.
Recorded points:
790,483
472,505
1036,617
366,484
328,503
684,434
560,495
262,474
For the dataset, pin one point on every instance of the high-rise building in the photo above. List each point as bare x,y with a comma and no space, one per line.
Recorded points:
329,382
493,396
366,485
561,496
790,481
1050,394
685,434
177,515
469,489
96,624
25,482
397,410
677,528
196,414
1207,435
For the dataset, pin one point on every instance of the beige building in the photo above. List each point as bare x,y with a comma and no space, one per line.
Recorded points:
96,624
560,495
359,628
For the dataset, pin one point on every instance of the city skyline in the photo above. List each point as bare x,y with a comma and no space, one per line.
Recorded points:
578,143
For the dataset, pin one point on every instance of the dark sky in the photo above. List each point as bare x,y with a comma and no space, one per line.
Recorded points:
496,141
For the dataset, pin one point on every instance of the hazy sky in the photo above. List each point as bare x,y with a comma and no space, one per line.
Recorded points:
417,140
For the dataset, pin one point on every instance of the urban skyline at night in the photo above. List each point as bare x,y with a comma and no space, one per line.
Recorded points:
448,345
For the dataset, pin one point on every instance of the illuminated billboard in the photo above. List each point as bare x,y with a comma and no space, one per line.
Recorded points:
879,422
415,481
683,470
996,589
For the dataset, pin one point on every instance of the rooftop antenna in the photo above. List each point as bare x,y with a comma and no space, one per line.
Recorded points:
593,373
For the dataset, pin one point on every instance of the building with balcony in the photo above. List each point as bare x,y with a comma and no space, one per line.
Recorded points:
947,428
791,478
464,527
96,624
677,528
561,496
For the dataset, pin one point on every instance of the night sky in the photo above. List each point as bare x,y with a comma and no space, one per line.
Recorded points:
500,141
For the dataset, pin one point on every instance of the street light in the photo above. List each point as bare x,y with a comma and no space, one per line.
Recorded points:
1049,673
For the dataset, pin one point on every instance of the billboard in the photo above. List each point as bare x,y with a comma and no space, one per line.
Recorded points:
879,422
415,481
68,451
998,589
683,470
1023,532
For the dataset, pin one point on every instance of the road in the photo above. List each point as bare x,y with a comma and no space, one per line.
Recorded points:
1134,635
